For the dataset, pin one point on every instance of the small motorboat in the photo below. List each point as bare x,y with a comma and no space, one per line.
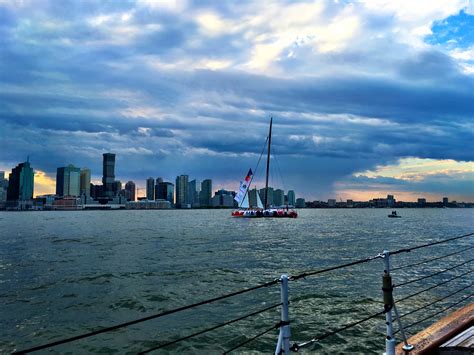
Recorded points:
394,215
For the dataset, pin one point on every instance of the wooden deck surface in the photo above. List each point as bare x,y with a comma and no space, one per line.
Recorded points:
427,341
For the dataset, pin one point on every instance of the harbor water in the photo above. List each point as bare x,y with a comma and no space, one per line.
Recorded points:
67,273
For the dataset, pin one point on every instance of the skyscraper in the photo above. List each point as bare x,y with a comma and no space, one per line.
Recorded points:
68,181
130,190
166,192
269,197
291,198
86,182
278,197
108,174
205,196
150,188
21,183
192,192
3,189
158,180
182,191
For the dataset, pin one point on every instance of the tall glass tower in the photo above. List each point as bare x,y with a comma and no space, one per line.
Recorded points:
108,174
21,183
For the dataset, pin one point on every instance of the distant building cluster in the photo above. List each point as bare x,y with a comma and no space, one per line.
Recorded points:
388,202
75,191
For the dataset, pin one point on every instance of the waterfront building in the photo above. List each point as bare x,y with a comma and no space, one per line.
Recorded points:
130,189
224,198
150,189
3,190
68,181
291,198
278,197
182,191
193,193
331,202
300,203
445,201
157,186
205,195
421,201
148,205
166,192
269,197
85,182
108,175
21,186
390,201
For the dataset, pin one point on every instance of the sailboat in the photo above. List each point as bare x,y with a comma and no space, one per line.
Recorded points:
261,209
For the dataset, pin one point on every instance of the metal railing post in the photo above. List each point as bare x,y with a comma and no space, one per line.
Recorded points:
388,304
283,345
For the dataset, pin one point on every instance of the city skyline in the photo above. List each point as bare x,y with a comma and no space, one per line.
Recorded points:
368,98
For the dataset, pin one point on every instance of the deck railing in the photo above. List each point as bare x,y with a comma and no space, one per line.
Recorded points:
389,306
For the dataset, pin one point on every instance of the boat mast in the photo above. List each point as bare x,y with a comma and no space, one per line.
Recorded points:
268,163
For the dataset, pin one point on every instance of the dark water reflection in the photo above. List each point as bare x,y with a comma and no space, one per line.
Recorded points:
65,273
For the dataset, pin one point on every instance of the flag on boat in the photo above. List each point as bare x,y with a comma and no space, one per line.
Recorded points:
244,186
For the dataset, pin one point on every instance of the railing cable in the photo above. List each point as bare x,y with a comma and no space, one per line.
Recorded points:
434,302
352,263
154,316
432,287
253,338
425,261
295,347
431,275
407,250
210,329
435,314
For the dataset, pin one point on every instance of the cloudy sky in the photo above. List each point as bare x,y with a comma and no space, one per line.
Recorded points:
368,97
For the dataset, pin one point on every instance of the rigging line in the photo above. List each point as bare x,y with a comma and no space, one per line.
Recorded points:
407,250
432,287
438,300
154,316
315,272
253,338
430,260
435,314
254,172
210,329
279,172
431,275
295,347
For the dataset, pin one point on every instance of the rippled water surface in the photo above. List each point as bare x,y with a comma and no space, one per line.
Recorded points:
66,273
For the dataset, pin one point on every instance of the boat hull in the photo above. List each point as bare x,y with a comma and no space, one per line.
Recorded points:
265,214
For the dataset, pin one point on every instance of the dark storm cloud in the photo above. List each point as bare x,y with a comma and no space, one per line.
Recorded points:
132,78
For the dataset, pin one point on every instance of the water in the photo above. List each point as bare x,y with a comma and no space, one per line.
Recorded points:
66,273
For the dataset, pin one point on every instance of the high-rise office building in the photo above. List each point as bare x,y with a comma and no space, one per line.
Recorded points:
205,196
182,191
291,198
278,198
193,192
68,181
166,192
21,183
86,182
130,191
269,197
158,181
3,189
108,175
150,188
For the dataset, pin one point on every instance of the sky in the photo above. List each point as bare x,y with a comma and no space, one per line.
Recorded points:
368,98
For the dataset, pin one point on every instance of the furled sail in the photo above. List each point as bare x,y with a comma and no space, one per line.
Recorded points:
244,186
